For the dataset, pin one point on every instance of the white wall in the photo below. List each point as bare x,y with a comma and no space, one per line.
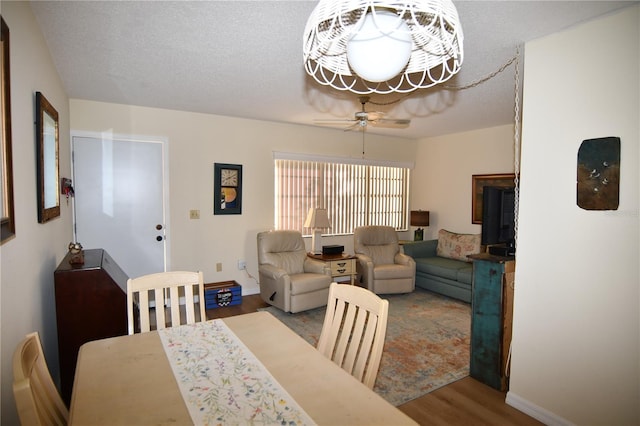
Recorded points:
576,331
576,325
441,182
28,260
196,142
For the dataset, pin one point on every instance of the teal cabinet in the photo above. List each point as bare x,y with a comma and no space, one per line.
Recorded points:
491,317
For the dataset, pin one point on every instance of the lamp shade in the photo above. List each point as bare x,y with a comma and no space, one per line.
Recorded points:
317,218
381,47
338,42
419,218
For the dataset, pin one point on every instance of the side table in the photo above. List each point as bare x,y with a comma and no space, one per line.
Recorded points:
341,265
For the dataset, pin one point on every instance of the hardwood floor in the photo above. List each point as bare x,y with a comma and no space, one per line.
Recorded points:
465,402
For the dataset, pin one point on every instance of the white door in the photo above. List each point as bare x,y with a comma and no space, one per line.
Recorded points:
120,200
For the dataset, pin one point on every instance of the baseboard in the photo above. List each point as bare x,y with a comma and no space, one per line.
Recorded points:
250,291
532,410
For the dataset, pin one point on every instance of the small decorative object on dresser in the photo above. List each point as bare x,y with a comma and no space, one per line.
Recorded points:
76,255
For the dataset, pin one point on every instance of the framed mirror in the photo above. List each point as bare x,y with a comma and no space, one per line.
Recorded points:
7,218
47,150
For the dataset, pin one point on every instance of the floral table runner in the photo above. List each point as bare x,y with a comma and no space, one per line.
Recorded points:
221,380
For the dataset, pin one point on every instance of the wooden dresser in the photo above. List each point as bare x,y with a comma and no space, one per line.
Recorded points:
91,304
491,319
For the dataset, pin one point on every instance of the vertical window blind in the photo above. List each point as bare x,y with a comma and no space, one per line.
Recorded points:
353,194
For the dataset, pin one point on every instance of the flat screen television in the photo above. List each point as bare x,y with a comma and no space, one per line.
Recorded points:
498,219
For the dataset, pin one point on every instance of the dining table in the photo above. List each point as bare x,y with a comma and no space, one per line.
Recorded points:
245,369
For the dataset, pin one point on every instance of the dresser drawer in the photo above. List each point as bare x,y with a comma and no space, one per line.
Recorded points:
343,266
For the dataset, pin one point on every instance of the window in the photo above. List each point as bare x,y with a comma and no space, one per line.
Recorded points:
355,194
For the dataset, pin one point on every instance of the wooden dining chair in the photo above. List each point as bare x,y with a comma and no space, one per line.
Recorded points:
37,398
166,290
353,331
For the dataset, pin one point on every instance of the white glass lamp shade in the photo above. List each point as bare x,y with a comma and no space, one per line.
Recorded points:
335,42
317,219
381,46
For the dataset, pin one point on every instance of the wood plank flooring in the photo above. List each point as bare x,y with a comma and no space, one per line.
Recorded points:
465,402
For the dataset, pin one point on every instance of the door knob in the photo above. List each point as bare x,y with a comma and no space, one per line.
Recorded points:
159,238
158,227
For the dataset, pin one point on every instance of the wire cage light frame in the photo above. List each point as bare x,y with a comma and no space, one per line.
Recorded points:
436,43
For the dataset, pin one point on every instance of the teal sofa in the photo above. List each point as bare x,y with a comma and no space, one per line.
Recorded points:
441,275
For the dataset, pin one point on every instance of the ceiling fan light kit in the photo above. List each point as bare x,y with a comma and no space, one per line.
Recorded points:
376,46
363,118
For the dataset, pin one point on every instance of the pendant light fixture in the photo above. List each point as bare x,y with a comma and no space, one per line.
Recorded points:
375,46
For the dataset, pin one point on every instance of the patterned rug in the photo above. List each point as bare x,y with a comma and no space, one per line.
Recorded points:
426,347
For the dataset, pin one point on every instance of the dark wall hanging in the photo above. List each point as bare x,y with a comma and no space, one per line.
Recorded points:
598,186
227,188
47,145
478,182
7,217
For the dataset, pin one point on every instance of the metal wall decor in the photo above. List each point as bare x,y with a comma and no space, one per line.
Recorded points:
598,180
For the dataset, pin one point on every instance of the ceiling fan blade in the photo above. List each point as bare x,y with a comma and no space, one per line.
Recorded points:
355,126
334,122
374,115
391,123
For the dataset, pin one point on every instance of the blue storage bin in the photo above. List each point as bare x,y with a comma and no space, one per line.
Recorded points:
218,295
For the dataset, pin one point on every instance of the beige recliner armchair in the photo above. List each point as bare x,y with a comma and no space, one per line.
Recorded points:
381,265
289,279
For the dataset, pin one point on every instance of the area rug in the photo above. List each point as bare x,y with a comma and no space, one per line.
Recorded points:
426,347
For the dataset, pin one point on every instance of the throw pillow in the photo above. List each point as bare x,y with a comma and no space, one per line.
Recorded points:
457,246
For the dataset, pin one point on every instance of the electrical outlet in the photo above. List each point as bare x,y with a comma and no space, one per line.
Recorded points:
194,214
242,264
218,267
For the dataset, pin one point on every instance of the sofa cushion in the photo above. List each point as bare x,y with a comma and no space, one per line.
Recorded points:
457,246
441,267
465,275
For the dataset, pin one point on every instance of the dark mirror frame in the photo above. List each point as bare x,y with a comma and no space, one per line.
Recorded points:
7,219
48,164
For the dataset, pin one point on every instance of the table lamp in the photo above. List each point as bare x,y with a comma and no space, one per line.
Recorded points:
317,219
419,218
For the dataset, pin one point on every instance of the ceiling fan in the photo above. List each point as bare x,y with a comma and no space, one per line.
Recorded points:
363,118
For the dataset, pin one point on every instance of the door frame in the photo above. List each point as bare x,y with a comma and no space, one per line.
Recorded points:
165,177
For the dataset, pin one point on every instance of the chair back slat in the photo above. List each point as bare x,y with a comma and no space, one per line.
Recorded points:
353,331
191,315
37,398
169,289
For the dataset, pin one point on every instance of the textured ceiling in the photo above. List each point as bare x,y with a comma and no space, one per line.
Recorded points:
244,59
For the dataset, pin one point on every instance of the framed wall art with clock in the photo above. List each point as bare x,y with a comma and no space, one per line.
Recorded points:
227,188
